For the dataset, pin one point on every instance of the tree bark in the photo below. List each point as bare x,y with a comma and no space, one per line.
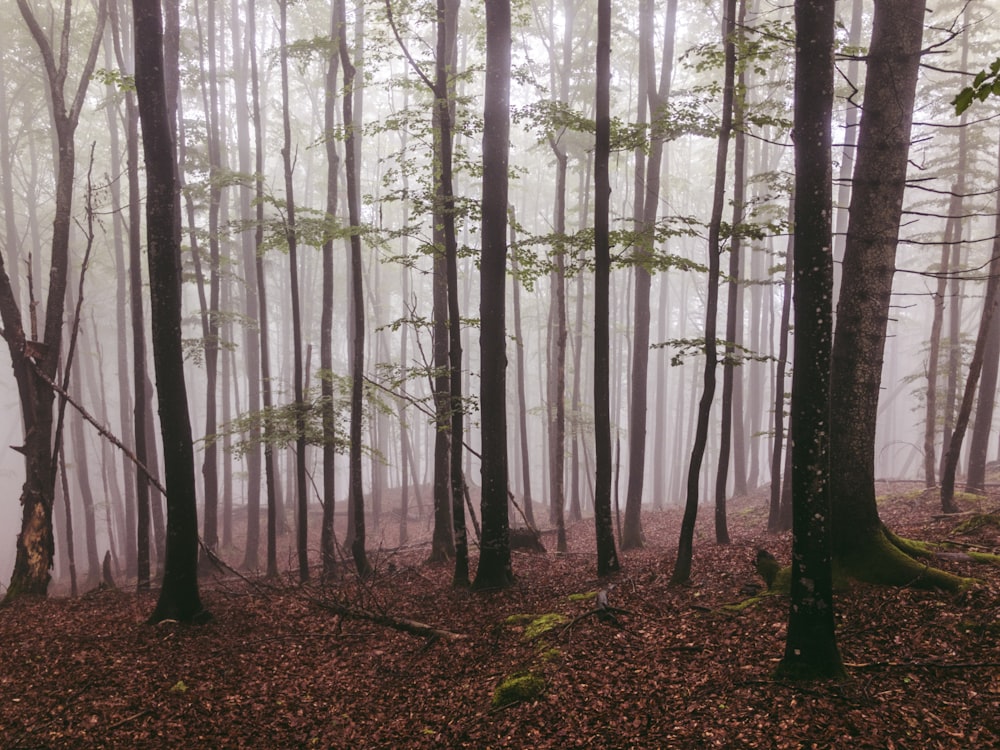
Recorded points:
494,570
811,647
685,547
35,547
356,494
861,542
607,556
179,598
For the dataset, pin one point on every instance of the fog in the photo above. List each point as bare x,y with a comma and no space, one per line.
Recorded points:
396,179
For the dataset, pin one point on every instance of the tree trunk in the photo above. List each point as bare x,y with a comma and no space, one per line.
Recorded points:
774,516
356,494
811,646
179,598
986,346
494,569
35,545
685,547
328,541
657,96
607,556
734,316
242,50
522,410
291,240
861,542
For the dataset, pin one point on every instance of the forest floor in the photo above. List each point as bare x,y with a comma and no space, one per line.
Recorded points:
681,668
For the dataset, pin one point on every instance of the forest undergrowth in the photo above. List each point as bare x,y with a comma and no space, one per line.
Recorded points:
532,666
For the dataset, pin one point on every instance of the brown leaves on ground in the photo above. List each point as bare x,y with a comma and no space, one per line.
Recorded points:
275,669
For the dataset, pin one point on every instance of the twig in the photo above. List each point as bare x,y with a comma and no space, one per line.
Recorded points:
127,719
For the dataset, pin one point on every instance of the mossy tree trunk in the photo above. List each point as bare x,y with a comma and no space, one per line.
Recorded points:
861,543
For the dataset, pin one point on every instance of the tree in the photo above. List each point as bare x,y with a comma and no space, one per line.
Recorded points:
356,497
657,96
811,646
860,541
291,241
327,538
494,569
685,547
607,556
985,340
35,363
179,598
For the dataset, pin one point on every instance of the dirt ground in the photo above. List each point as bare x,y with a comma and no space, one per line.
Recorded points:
680,668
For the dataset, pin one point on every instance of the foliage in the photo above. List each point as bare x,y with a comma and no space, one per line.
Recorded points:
688,347
984,85
277,425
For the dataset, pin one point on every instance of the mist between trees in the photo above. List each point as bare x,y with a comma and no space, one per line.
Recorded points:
336,233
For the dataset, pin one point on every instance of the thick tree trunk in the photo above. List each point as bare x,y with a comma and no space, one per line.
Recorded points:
811,646
861,542
494,570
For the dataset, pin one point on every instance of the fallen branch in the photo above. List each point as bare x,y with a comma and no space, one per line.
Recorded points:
403,624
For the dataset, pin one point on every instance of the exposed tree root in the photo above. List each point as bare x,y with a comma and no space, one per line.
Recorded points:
891,560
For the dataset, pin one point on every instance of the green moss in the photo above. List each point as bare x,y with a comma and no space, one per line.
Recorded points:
582,597
518,619
519,687
536,625
746,603
549,654
984,557
888,560
976,522
543,624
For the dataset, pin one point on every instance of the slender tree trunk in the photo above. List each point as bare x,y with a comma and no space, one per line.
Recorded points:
356,494
328,541
522,410
607,556
986,345
251,337
734,315
291,241
685,547
179,598
775,517
657,97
